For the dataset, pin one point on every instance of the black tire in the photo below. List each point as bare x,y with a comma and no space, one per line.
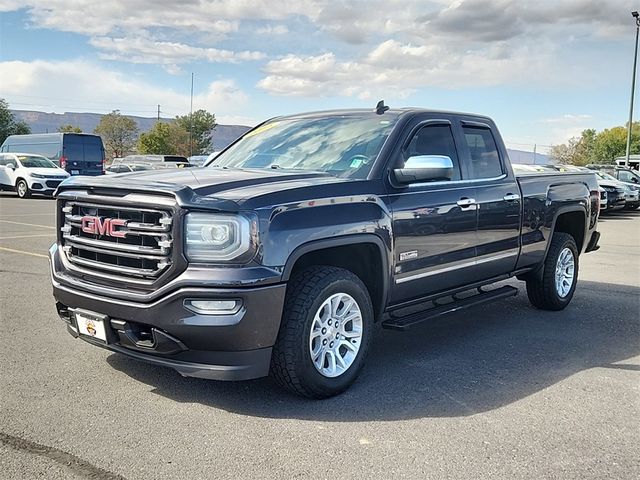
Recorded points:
22,189
541,290
291,364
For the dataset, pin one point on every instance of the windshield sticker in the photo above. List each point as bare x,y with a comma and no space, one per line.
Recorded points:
356,162
263,128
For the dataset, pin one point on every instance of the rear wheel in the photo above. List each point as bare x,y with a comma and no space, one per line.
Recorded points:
553,289
22,189
325,333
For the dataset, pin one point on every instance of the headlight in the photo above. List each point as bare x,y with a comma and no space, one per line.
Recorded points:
211,238
37,175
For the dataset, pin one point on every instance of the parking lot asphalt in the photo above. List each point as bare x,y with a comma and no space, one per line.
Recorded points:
503,391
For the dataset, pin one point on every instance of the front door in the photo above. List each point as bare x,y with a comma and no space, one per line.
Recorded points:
434,223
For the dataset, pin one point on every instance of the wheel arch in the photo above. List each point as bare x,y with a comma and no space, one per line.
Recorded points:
348,252
571,220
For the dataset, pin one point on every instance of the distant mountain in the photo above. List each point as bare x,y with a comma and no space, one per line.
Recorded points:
41,122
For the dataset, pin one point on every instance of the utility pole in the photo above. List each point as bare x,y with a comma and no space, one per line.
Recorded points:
191,120
535,146
635,15
158,112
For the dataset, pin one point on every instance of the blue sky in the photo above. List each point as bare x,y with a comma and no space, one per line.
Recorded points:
544,70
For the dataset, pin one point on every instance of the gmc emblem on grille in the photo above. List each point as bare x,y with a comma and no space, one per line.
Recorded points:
104,226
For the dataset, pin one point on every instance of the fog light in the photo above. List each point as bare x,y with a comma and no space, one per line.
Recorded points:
213,307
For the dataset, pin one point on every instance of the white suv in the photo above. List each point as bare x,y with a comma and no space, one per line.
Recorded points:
27,173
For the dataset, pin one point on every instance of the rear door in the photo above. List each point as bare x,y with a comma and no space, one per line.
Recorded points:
434,223
84,154
497,196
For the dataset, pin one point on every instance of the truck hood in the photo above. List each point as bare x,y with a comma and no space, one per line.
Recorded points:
189,185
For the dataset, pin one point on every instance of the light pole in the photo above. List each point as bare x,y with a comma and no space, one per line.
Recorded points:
635,15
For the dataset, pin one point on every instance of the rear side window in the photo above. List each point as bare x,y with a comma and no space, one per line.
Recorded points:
50,150
434,140
484,161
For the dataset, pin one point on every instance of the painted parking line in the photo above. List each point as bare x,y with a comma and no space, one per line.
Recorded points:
11,250
26,236
27,224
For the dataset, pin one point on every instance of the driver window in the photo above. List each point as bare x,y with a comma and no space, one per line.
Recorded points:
434,140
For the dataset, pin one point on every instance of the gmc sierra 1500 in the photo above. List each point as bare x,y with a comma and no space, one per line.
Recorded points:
280,255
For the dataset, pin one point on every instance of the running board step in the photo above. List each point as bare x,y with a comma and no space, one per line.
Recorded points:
408,321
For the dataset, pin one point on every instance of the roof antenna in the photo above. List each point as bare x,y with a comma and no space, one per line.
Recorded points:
381,107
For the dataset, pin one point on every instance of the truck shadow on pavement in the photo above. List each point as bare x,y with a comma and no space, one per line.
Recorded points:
465,364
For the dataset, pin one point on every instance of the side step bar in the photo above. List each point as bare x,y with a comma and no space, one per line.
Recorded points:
408,321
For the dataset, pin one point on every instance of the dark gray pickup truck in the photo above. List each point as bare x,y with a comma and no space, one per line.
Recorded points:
279,256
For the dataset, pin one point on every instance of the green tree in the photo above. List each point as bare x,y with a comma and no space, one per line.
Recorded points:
577,151
201,124
612,142
165,139
597,147
8,123
119,133
69,129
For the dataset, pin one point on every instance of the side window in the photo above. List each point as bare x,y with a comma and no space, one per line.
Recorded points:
434,140
3,160
484,161
625,176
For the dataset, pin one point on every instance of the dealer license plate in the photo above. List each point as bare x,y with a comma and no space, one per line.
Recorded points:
91,325
75,172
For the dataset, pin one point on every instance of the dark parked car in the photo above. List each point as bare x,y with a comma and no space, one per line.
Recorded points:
77,153
280,255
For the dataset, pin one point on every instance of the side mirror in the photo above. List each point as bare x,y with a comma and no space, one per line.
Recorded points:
423,168
11,166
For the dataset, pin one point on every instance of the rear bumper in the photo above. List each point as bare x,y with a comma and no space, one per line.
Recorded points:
234,346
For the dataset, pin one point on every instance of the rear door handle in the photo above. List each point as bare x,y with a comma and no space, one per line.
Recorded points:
511,197
467,203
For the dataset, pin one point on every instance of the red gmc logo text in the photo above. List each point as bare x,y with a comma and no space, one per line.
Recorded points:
104,226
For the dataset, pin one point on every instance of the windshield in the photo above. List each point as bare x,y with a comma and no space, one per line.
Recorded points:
606,176
30,161
344,145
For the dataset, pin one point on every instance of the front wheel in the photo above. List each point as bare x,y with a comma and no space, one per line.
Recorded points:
553,289
22,189
325,334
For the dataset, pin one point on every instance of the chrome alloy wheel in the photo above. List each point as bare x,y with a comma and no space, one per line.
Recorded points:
336,335
565,272
22,189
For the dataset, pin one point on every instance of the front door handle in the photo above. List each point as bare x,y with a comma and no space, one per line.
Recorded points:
467,203
511,197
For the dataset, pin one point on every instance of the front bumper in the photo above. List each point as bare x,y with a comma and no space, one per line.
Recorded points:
164,332
45,186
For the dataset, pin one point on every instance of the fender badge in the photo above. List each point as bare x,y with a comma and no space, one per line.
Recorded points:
408,255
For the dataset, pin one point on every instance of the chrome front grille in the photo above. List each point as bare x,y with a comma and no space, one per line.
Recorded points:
138,249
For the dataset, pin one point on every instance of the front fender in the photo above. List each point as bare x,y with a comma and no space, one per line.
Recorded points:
292,226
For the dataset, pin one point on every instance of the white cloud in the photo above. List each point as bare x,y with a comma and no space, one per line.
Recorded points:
560,129
273,30
72,86
394,70
145,50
